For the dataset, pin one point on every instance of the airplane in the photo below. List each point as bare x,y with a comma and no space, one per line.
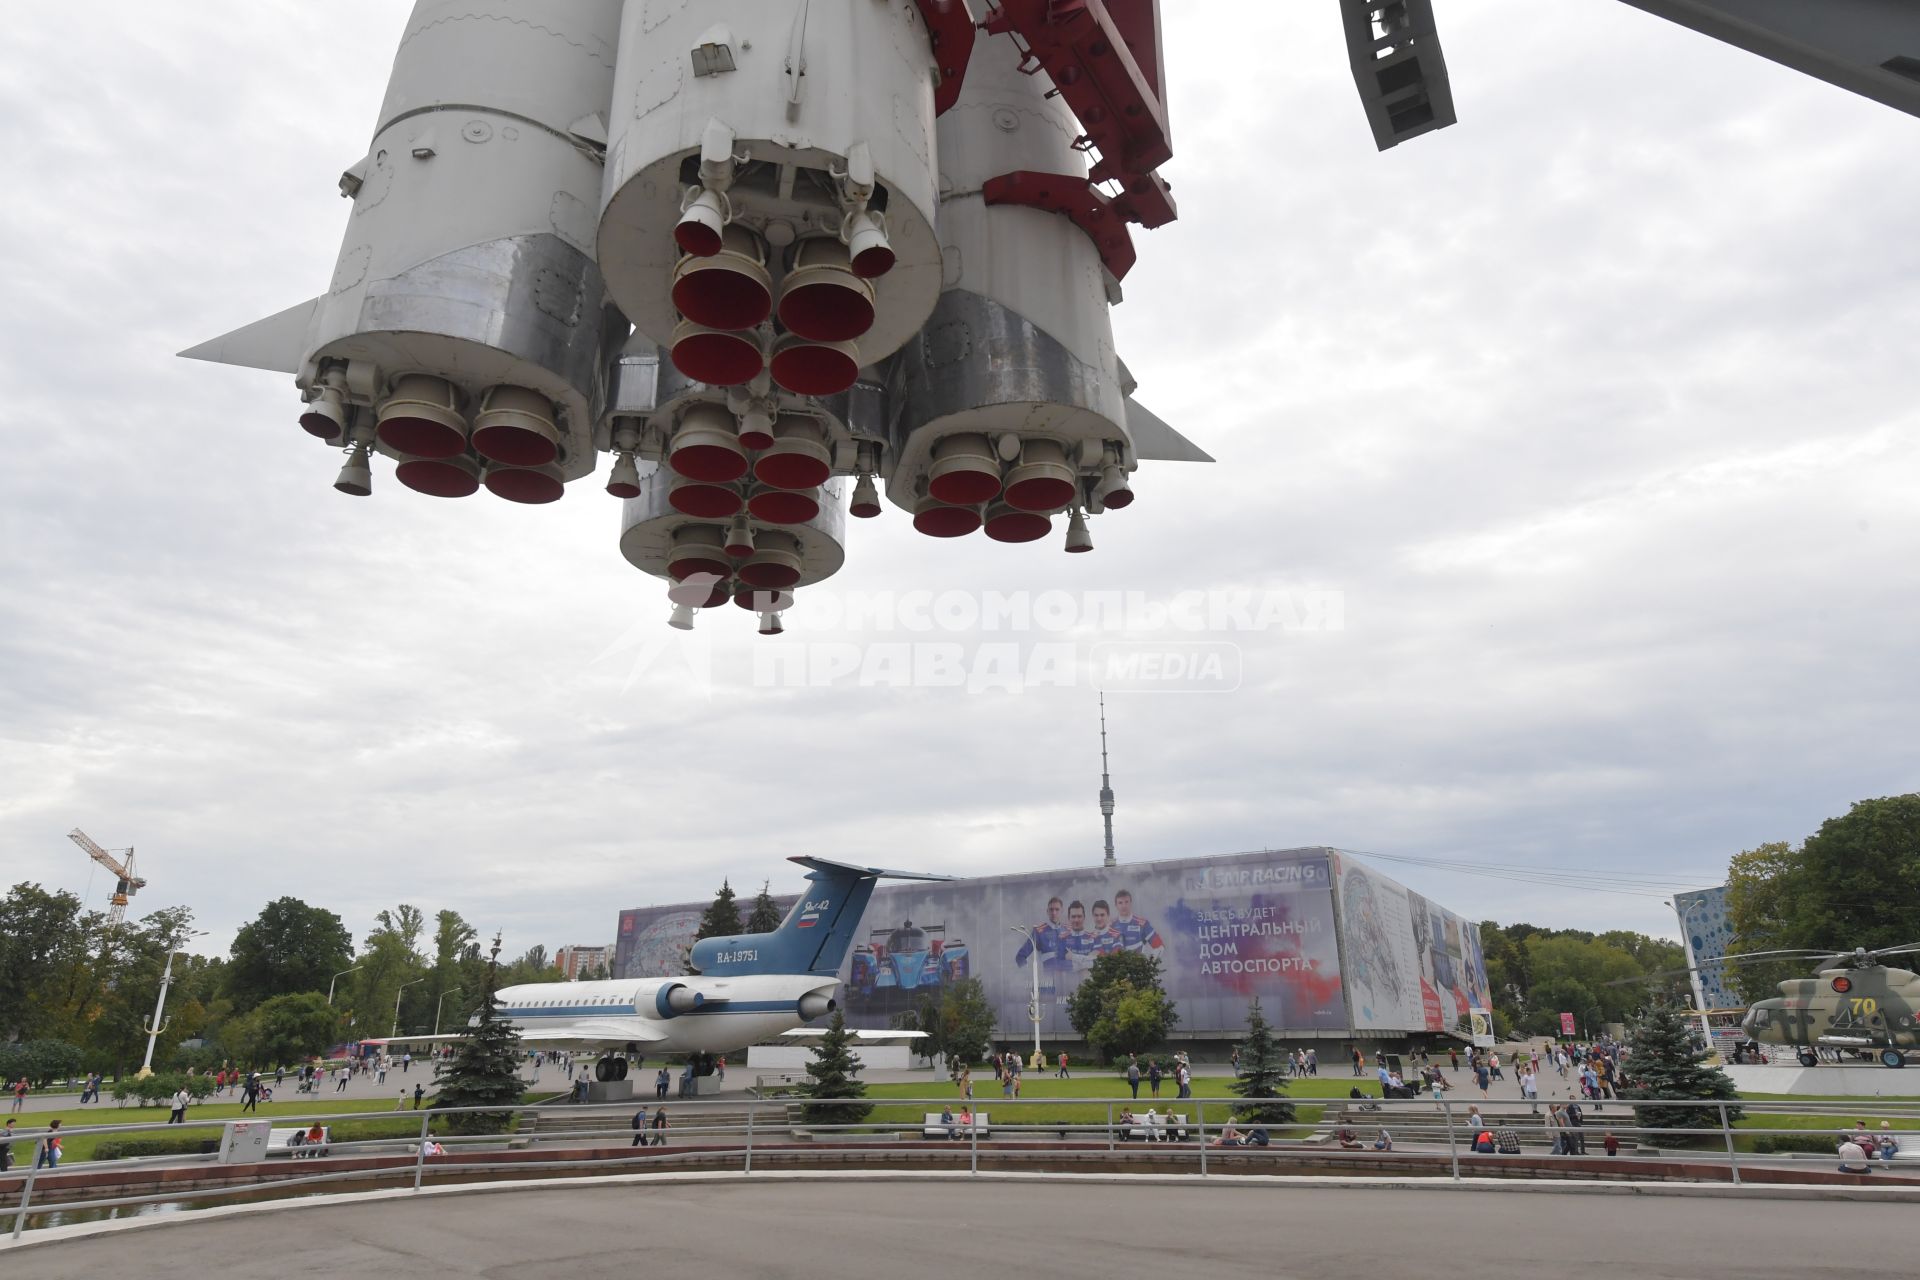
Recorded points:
744,989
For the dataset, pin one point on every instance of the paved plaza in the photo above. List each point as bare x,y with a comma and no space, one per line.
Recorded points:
875,1230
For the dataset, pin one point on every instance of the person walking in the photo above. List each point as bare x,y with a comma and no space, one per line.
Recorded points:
659,1126
660,1083
20,1094
47,1151
6,1146
1233,1060
180,1101
1133,1074
1153,1077
419,1092
1062,1073
1530,1088
341,1087
250,1095
639,1127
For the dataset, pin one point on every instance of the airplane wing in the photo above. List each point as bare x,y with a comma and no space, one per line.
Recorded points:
825,864
863,1035
605,1031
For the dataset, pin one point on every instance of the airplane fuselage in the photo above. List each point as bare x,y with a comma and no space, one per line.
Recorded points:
691,1014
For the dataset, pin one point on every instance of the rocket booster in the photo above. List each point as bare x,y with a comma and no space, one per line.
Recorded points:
769,257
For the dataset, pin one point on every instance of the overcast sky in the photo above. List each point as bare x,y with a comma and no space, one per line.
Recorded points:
1595,410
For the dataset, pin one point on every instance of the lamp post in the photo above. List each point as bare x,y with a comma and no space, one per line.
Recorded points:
159,1021
396,1005
436,1007
1033,963
336,977
1693,967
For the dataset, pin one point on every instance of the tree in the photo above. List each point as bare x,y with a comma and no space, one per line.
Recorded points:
1262,1077
42,1062
115,1036
485,1068
1120,1007
533,966
452,936
765,917
834,1073
958,1020
390,967
289,947
284,1031
40,938
1853,883
722,918
1666,1063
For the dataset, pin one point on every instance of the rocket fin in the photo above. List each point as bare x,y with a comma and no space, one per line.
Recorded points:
274,343
1155,441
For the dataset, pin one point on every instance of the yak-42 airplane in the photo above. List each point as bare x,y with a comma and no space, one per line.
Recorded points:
743,989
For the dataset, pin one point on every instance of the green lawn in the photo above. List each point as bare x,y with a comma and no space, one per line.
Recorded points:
78,1145
1025,1110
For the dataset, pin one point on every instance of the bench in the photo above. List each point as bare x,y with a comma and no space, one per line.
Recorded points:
281,1142
934,1127
1171,1127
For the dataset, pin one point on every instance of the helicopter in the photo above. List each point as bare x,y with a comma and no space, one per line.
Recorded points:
1854,1003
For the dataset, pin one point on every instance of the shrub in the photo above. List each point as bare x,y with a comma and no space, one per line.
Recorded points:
1781,1143
129,1148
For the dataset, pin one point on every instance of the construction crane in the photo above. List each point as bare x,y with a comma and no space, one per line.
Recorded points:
121,866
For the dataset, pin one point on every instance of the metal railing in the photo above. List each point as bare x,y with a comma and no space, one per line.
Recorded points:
1440,1134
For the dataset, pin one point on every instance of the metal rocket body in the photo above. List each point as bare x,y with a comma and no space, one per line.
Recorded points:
768,256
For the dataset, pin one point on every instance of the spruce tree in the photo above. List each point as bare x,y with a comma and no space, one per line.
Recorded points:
722,919
1262,1078
1665,1063
485,1069
834,1073
765,917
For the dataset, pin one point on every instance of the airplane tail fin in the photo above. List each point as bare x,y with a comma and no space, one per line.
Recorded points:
816,933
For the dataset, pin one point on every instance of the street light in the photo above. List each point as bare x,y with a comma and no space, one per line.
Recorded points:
396,1005
336,977
436,1008
159,1023
1693,968
1033,962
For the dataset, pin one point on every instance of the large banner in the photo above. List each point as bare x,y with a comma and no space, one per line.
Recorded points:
652,942
1225,931
1411,964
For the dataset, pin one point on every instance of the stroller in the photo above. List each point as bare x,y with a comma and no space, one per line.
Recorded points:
1366,1102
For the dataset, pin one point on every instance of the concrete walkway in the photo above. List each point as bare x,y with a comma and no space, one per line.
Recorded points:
878,1229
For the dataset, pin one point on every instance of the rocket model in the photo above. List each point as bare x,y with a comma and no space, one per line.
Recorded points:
761,252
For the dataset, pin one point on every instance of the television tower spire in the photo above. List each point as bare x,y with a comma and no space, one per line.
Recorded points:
1106,785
